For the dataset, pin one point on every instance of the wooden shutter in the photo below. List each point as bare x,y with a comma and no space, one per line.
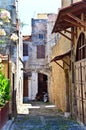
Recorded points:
40,51
25,50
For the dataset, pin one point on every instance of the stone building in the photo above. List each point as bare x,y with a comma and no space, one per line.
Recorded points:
27,55
10,49
37,66
69,59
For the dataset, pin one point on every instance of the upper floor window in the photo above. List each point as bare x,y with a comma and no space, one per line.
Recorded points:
40,51
41,36
81,48
25,50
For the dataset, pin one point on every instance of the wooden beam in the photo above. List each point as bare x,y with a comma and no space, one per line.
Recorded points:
73,23
65,36
65,62
76,19
59,64
70,32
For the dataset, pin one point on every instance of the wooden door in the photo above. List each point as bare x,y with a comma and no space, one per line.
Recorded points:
25,87
80,81
80,78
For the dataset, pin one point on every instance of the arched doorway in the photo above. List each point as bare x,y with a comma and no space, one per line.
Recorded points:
80,80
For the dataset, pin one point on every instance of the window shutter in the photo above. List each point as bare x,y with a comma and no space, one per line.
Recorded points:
25,50
40,51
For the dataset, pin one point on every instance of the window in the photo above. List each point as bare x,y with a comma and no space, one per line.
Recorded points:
41,36
25,50
81,48
40,51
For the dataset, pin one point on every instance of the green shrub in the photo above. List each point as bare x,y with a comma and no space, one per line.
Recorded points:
4,89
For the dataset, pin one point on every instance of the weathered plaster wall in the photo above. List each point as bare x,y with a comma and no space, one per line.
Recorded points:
58,81
34,86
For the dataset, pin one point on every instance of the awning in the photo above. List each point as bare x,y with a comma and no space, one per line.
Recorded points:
70,17
61,57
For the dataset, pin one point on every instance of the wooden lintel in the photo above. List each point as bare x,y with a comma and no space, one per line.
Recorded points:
65,62
58,64
65,36
76,19
70,32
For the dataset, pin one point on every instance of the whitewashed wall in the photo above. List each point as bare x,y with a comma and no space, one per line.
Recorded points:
33,86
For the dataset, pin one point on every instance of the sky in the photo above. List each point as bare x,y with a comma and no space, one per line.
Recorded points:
28,9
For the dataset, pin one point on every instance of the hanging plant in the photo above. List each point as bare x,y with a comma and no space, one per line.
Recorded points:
14,37
4,20
2,32
5,15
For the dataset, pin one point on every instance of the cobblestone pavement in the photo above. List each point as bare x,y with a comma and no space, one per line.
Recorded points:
44,118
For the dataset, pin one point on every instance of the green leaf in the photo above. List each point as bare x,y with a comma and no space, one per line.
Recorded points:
4,89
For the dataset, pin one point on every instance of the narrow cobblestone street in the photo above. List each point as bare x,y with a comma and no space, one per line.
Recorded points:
44,116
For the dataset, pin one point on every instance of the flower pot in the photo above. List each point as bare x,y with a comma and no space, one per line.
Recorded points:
4,111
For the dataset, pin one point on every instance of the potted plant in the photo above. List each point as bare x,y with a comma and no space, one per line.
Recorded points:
4,89
4,97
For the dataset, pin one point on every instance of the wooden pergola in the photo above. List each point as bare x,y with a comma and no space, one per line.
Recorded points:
70,16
